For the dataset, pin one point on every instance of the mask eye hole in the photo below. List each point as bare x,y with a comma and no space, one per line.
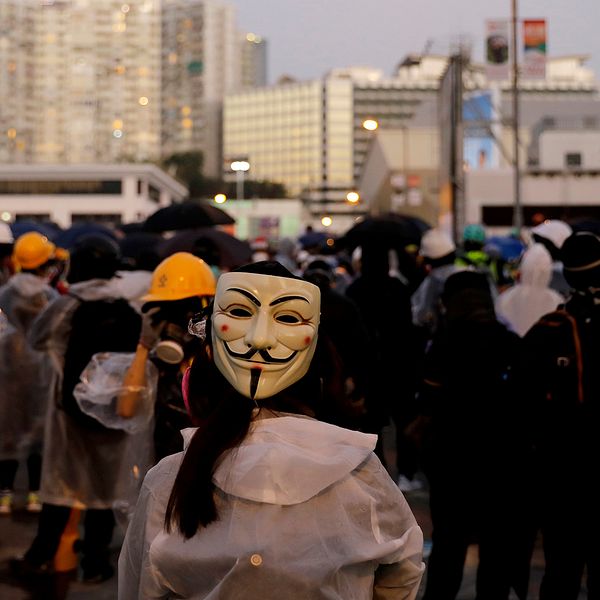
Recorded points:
240,312
287,319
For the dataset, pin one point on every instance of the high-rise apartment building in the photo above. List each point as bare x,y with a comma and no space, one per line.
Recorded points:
80,80
86,81
200,64
253,55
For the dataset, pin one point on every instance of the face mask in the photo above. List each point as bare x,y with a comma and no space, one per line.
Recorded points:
264,331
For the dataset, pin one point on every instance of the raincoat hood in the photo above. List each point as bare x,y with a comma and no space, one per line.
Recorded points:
536,267
288,460
95,289
28,285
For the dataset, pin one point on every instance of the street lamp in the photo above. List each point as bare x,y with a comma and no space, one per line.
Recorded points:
326,221
353,197
220,198
240,167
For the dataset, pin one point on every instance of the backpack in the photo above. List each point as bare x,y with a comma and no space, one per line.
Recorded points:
110,325
560,345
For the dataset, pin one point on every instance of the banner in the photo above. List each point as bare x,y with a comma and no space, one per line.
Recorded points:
497,67
534,49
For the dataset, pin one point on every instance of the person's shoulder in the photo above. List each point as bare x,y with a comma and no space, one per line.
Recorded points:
162,475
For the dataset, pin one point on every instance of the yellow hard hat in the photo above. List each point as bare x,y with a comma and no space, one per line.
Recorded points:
32,250
181,275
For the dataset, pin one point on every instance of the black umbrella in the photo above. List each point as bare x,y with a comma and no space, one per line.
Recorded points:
212,245
139,250
183,215
69,237
390,230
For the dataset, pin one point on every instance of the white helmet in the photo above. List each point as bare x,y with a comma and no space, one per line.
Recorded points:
6,235
554,230
436,243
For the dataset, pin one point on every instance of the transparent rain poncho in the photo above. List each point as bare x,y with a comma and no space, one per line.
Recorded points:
306,510
101,386
26,375
97,468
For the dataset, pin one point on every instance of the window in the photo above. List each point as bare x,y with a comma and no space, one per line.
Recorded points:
573,159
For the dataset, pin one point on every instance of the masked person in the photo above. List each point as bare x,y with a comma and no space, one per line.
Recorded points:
267,501
83,460
561,356
182,286
25,373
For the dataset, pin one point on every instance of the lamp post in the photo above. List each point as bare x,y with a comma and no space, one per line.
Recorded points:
239,167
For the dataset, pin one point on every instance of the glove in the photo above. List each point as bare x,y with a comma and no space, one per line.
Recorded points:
151,331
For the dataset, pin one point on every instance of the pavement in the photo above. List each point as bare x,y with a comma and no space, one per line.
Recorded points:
18,530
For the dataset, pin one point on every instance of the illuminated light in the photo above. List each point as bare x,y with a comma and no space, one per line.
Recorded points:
119,27
143,101
188,23
353,197
118,124
6,216
186,111
12,67
20,145
187,123
11,133
250,37
172,58
119,69
326,221
50,38
370,124
117,133
330,242
125,8
143,71
240,165
220,198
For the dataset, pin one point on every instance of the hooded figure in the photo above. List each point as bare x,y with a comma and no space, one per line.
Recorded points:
266,501
523,304
25,373
86,465
552,234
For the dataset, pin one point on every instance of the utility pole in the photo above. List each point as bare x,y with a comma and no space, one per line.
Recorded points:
517,209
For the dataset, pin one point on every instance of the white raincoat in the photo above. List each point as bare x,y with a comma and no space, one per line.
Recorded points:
84,468
522,305
25,374
306,512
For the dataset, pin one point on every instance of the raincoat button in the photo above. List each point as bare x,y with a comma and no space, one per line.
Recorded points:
256,560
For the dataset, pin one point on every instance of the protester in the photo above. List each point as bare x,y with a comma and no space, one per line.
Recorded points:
6,250
267,501
561,357
392,355
182,286
552,234
25,373
476,451
520,306
438,252
82,458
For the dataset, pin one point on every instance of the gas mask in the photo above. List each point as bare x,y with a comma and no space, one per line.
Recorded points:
170,348
264,331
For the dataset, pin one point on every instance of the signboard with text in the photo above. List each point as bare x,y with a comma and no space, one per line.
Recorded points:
534,48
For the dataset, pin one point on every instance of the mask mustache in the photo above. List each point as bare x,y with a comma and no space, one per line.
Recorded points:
263,354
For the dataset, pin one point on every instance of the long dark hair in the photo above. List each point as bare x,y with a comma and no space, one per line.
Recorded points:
223,417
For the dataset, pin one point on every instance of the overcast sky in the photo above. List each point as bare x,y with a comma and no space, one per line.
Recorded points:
308,37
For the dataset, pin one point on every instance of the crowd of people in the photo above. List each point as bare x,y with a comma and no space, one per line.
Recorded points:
282,375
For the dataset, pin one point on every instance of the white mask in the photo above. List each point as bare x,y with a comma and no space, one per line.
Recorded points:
264,331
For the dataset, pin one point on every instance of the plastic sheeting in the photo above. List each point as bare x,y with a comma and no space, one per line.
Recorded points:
306,510
101,385
26,375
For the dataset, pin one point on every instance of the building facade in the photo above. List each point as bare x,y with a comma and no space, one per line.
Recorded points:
253,57
67,194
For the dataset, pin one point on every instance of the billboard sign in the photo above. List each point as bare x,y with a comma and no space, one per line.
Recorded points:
534,48
497,53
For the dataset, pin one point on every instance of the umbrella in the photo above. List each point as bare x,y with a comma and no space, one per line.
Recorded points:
140,250
213,245
391,230
591,225
183,215
50,230
69,237
509,248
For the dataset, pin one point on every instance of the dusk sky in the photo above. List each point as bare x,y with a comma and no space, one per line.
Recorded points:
308,37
